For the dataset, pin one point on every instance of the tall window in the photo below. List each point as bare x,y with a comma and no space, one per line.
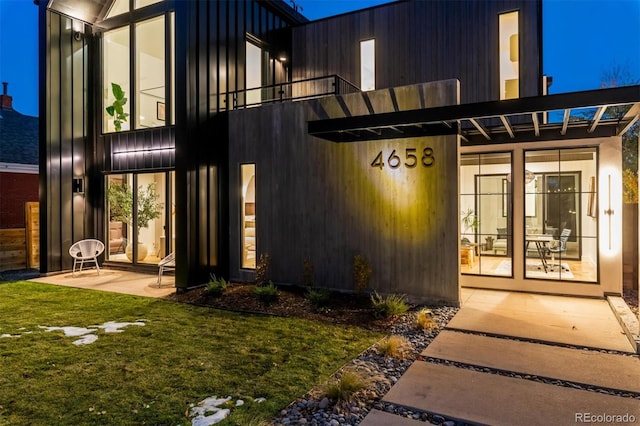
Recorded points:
135,94
150,75
560,197
253,73
486,214
116,78
509,56
368,64
122,6
248,215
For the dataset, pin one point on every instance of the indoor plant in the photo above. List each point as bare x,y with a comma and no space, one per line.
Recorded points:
120,199
116,109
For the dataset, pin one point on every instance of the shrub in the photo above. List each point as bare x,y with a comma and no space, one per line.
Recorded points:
424,320
343,388
307,273
387,306
395,347
262,268
318,297
216,286
361,273
267,294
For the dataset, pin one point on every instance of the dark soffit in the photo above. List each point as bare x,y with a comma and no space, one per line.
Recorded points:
90,11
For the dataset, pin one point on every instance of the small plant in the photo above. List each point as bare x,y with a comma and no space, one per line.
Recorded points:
388,306
469,220
343,388
216,286
319,297
361,273
116,109
267,294
395,347
262,268
424,320
307,273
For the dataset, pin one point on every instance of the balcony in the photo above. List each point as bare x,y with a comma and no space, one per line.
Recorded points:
287,91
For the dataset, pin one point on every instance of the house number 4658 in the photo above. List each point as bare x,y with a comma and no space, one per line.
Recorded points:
410,159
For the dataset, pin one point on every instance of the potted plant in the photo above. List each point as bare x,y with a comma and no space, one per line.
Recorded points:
120,199
469,221
116,109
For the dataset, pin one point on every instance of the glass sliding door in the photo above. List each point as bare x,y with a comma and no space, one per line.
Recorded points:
140,226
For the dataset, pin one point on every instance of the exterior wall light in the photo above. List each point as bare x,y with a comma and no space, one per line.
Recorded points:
78,186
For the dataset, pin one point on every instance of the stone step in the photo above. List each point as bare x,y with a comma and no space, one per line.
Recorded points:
567,320
380,418
491,399
604,370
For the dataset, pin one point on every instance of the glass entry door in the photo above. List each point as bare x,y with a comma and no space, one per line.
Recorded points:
140,217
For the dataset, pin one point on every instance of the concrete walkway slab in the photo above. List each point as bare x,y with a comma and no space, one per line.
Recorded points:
568,320
113,280
490,399
611,371
380,418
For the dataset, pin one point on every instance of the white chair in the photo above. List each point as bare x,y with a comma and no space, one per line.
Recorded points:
86,251
169,262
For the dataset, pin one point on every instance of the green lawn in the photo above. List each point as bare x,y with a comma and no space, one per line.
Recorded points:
151,374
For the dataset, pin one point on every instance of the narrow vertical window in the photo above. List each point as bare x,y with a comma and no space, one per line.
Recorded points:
248,215
509,56
254,73
368,65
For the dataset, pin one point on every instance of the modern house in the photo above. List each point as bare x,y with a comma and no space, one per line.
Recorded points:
416,135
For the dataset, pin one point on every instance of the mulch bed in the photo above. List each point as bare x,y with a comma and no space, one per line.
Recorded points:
343,308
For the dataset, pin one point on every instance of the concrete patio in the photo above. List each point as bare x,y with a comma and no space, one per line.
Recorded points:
113,280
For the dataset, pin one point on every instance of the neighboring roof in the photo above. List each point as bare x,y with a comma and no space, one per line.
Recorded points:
18,138
513,120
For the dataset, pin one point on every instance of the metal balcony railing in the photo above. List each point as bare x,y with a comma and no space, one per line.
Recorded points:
290,90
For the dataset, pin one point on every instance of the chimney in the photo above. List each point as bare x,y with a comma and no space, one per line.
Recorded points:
6,101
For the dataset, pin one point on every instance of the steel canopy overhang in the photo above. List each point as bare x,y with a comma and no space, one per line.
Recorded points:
513,120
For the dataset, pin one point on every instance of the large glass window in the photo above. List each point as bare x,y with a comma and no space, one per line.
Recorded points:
150,75
368,65
561,218
509,56
140,218
248,215
116,84
486,214
135,94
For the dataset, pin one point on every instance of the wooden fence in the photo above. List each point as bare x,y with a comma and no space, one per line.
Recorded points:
20,247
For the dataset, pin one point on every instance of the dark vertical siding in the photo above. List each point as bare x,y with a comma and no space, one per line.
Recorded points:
65,217
210,50
421,41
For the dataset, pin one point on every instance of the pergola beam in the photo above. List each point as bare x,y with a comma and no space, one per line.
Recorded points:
480,128
565,121
507,125
596,118
536,125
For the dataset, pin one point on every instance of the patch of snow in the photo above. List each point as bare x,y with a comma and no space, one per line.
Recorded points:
116,327
239,403
260,400
71,331
9,335
85,340
209,405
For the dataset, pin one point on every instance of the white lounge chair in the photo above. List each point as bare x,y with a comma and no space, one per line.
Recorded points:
86,251
168,262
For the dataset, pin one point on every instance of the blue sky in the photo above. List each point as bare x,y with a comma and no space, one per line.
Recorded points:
582,40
